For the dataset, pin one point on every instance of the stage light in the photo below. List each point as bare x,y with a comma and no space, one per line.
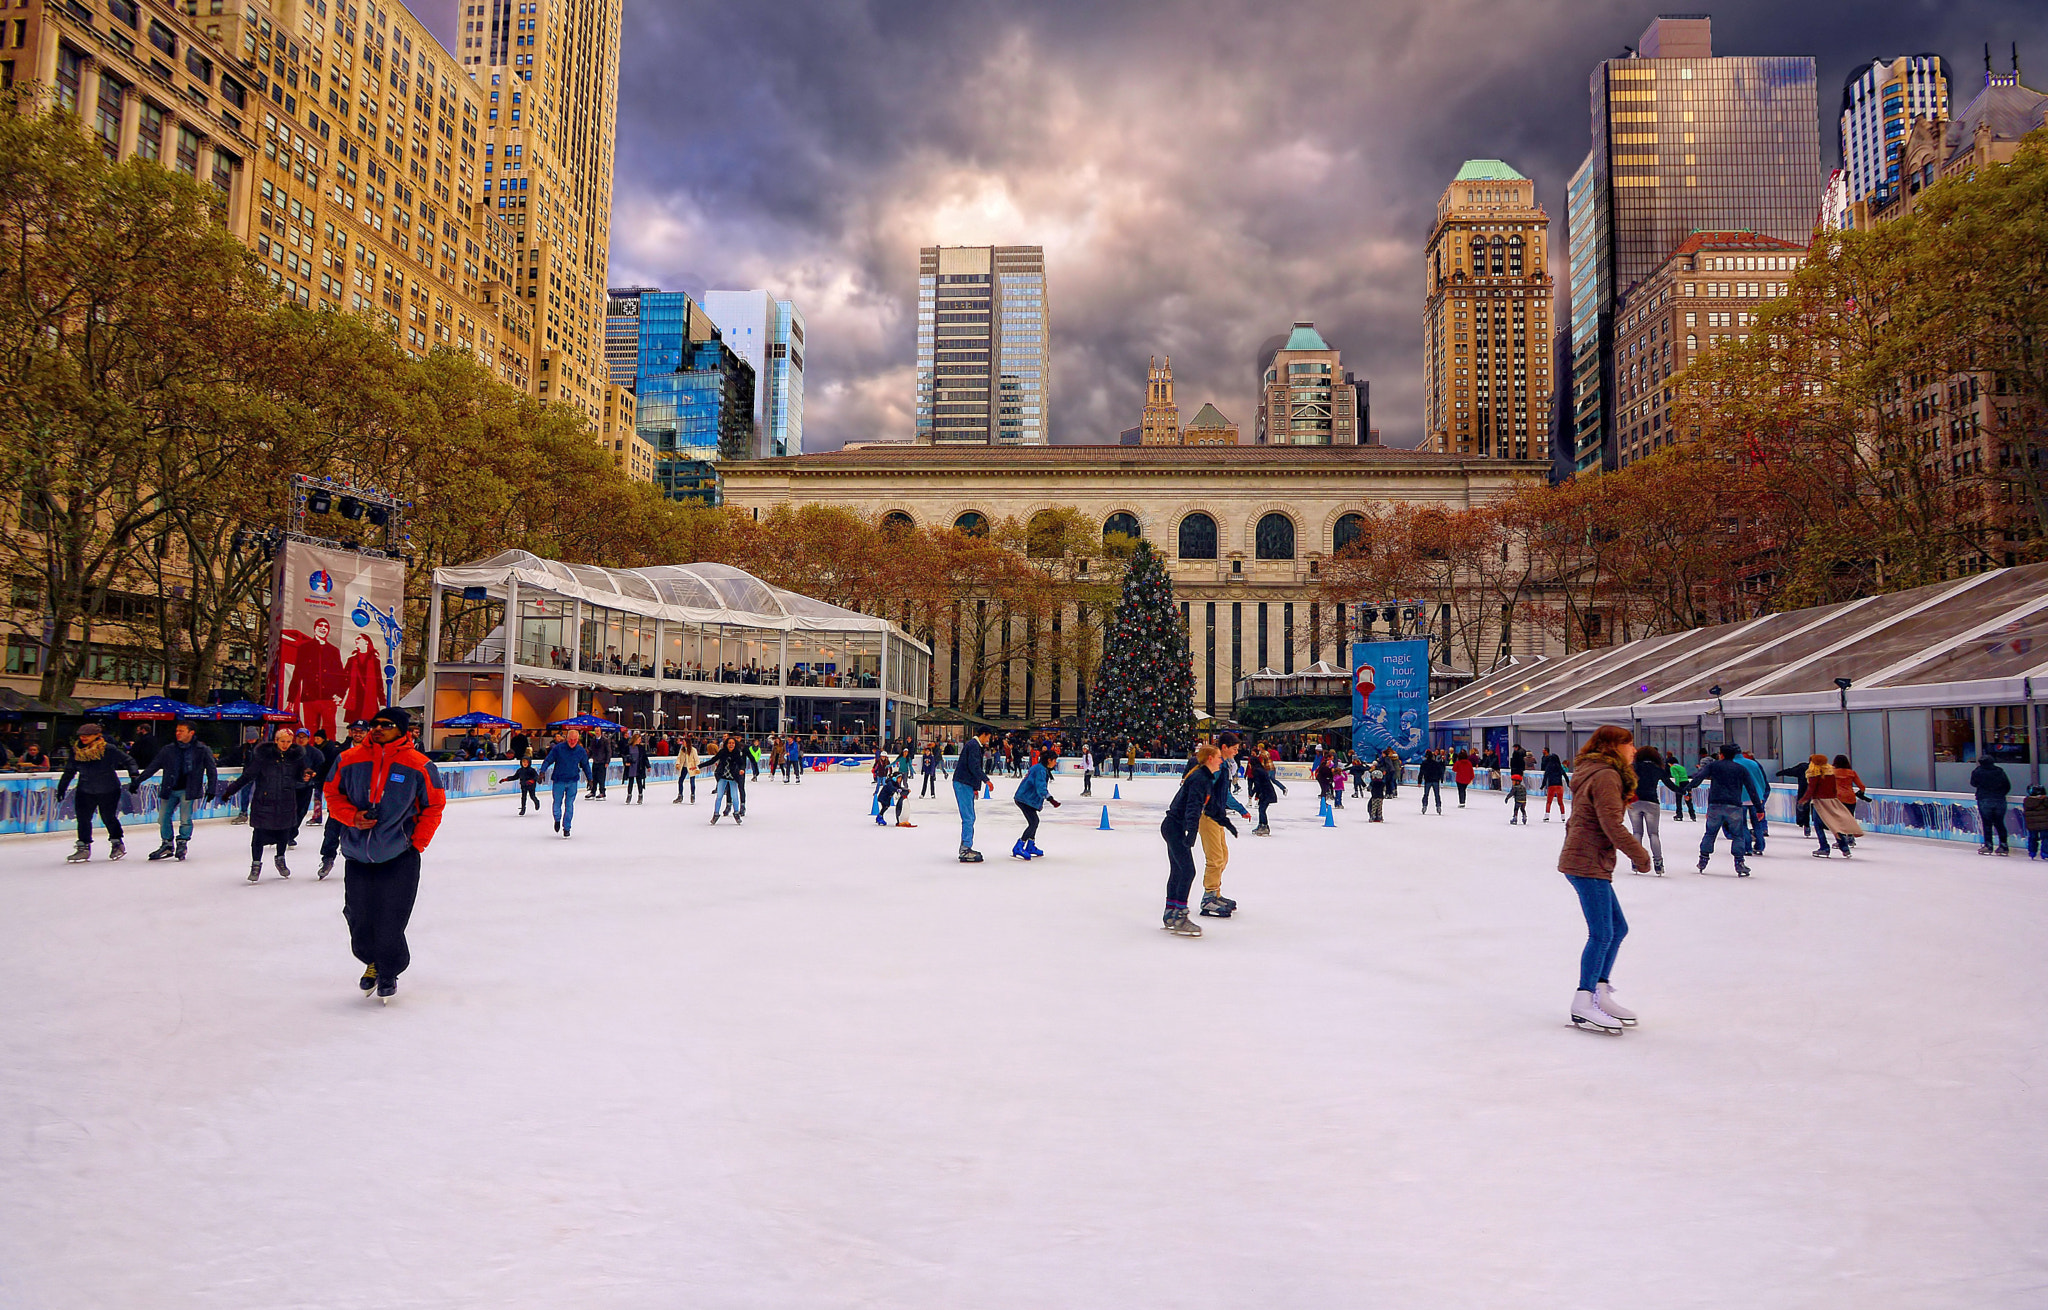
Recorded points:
351,508
379,516
318,502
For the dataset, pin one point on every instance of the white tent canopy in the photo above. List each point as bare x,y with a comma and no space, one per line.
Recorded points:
681,593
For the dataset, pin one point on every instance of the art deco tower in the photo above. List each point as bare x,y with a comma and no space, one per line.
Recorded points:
1486,321
550,72
1160,425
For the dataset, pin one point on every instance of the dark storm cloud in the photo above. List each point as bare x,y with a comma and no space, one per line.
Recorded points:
1199,174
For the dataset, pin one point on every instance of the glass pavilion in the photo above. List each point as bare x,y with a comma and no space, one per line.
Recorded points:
696,648
1937,678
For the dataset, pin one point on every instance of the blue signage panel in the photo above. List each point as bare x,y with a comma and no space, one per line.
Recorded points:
1390,698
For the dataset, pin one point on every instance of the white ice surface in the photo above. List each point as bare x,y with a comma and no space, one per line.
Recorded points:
812,1062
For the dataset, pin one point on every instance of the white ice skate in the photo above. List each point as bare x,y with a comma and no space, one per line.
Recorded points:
1604,994
1586,1013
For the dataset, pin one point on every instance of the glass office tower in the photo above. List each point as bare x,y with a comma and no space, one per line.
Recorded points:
983,354
1683,141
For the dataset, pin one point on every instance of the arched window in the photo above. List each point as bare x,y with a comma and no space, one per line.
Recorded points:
1120,524
1198,537
896,521
1042,536
1275,537
973,524
1350,528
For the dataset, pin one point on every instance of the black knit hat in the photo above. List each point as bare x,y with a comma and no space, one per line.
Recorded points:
395,716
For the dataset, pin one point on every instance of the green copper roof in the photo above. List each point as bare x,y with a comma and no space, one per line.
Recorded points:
1208,417
1305,337
1487,170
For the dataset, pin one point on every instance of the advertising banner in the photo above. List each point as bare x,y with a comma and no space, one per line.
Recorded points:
334,634
1390,698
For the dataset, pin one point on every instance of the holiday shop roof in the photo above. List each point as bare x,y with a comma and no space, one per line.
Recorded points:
1983,638
688,593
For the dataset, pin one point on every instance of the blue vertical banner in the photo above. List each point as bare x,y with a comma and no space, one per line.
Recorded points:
1390,698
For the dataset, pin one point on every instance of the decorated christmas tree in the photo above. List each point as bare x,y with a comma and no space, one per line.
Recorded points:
1145,684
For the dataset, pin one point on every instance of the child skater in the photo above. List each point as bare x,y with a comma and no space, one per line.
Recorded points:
894,789
1518,796
1031,795
528,779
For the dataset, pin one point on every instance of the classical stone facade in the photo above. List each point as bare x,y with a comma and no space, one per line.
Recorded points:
1244,529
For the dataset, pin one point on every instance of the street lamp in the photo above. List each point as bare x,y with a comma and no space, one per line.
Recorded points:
1843,685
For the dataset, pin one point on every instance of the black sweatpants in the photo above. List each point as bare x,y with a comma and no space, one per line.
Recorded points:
377,903
529,794
1180,866
330,837
1030,822
641,783
85,804
278,837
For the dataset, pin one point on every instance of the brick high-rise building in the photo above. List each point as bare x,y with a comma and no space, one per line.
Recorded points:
1486,317
342,138
548,72
1305,397
1160,423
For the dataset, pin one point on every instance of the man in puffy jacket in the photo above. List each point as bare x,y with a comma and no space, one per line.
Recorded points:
189,775
388,796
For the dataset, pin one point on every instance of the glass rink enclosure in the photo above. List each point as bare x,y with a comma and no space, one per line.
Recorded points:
694,648
1914,686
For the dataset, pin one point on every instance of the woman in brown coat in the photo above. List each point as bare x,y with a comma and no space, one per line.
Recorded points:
1832,790
1603,783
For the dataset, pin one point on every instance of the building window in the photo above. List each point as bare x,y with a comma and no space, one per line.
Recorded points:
1275,537
971,523
896,521
1198,537
1350,529
1120,524
1955,736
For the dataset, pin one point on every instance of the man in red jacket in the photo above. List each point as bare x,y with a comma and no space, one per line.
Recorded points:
388,799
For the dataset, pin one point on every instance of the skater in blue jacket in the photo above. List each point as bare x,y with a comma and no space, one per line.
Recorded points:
1031,796
569,764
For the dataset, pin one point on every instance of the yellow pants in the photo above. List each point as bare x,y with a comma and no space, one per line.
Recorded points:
1215,854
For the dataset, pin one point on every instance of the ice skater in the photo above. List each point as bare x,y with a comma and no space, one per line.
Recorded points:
1603,784
636,766
729,771
1730,788
1259,781
1833,797
968,779
389,799
1553,784
1431,771
1518,796
528,779
1644,809
1031,796
600,753
277,775
687,765
330,834
189,775
569,764
1377,786
1215,822
1181,828
96,762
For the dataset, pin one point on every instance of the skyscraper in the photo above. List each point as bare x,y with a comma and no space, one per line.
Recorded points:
1486,321
1160,423
1878,102
550,70
983,359
693,395
1683,141
1305,397
768,334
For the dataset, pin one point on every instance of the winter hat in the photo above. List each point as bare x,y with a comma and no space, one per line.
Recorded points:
88,730
395,716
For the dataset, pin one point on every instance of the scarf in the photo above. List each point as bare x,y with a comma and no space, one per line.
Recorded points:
86,752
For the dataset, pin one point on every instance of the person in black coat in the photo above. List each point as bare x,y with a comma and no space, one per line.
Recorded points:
1992,786
189,775
97,764
1258,776
600,765
1181,828
637,765
276,775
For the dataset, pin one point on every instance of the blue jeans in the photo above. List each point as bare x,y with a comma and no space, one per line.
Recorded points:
728,796
565,802
2037,843
1759,828
174,806
1725,818
1605,927
963,796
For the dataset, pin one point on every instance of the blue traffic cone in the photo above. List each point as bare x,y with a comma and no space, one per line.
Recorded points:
1104,825
1329,817
1116,793
874,807
990,794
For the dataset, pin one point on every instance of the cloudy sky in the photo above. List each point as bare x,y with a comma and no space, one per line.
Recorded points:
1200,174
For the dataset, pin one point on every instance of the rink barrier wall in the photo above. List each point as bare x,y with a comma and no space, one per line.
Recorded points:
29,804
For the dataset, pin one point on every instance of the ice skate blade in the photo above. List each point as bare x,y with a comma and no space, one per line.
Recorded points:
1592,1027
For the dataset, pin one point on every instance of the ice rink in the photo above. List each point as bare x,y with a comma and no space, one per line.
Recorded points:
813,1062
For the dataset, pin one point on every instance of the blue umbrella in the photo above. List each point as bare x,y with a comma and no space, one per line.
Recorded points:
587,721
476,719
152,707
248,711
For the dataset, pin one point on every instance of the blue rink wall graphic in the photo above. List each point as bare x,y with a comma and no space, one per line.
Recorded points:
1390,698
